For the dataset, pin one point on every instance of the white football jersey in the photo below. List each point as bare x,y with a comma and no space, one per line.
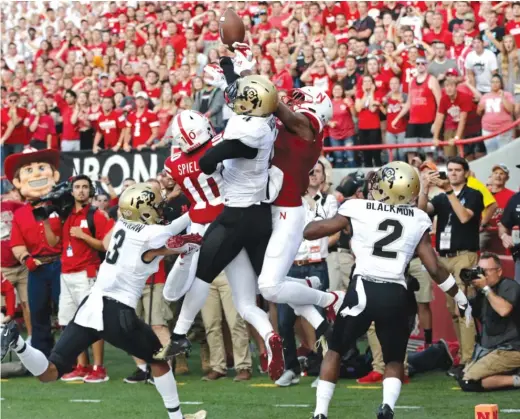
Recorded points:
246,180
123,274
384,237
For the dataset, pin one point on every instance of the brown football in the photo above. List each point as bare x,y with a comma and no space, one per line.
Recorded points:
231,28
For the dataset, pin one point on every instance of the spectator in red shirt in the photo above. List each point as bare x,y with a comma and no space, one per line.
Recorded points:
13,130
437,31
182,87
513,27
70,139
320,74
394,102
111,127
165,110
452,115
282,79
341,127
499,178
83,233
41,126
144,125
368,107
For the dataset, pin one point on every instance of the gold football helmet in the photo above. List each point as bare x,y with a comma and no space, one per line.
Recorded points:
395,183
141,203
253,96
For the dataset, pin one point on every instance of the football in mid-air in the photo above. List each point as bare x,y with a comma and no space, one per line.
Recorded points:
231,28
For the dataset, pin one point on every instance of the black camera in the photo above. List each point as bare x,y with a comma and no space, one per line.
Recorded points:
467,275
59,200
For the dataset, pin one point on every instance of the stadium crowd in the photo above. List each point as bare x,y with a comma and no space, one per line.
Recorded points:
112,75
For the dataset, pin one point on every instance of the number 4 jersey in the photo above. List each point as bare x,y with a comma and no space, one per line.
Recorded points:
202,190
384,237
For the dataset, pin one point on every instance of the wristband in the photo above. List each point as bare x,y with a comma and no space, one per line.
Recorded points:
461,299
486,290
30,262
449,192
448,284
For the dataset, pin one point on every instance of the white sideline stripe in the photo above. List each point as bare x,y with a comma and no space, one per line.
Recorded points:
191,403
509,410
292,405
408,407
84,401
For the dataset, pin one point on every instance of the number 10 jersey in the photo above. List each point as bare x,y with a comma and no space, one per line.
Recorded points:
203,191
384,237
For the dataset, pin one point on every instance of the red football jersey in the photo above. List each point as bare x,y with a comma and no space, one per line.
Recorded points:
142,126
203,191
111,126
295,157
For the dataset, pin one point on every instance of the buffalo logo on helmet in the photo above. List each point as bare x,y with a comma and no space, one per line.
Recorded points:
251,95
145,198
388,175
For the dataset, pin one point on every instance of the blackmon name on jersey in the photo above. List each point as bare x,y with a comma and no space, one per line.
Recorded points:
203,191
384,237
123,274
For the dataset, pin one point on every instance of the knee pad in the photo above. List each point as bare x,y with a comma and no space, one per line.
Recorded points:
271,293
471,385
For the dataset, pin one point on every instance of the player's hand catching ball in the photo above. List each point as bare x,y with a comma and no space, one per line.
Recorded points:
243,59
213,75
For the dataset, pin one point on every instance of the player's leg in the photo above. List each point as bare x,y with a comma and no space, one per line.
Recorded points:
123,329
288,225
352,324
392,329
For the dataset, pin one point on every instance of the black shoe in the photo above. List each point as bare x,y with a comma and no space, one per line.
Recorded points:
138,376
385,412
456,372
10,334
320,416
178,345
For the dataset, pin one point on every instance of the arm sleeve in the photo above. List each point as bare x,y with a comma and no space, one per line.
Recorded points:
159,234
227,66
230,149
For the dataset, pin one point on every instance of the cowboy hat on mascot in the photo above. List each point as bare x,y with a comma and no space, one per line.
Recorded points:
37,244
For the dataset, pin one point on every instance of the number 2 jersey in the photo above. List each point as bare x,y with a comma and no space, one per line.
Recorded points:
123,274
203,191
384,237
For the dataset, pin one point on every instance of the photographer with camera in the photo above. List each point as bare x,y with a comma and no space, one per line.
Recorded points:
458,212
35,241
496,360
83,233
509,230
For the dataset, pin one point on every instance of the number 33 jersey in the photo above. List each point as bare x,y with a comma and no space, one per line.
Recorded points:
384,237
203,191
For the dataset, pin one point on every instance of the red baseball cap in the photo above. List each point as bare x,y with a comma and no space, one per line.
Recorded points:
453,72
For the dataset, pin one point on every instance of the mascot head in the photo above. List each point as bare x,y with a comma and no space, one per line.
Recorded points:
34,173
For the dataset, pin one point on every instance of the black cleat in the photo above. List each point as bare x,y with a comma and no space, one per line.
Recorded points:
320,416
10,334
138,376
385,412
178,345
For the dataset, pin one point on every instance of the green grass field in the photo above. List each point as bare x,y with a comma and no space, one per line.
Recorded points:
432,396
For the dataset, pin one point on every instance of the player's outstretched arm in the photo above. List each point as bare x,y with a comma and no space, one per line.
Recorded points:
442,277
225,150
295,122
324,228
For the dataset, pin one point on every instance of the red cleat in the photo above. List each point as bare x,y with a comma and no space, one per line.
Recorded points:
264,362
275,360
98,374
184,244
331,311
371,378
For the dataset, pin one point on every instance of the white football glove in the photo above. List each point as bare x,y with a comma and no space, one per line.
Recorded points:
464,307
214,76
243,59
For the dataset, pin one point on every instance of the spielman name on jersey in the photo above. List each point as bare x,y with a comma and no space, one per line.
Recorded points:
402,209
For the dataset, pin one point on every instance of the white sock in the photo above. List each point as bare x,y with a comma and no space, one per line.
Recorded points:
167,388
324,394
391,391
310,314
142,367
32,359
192,304
289,292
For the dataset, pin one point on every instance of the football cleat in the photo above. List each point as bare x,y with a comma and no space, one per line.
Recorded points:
320,416
185,244
332,310
9,336
139,376
176,346
275,359
201,414
385,412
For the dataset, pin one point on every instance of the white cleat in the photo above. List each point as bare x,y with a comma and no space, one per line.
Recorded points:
287,379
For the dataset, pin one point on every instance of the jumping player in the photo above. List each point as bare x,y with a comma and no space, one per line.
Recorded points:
387,231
